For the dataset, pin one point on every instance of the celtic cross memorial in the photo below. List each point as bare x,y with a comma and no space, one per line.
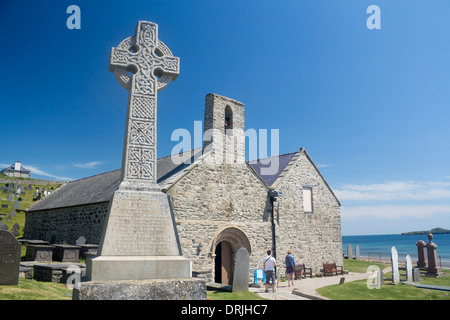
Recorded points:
139,239
152,66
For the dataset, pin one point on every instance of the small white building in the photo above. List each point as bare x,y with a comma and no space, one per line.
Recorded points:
16,170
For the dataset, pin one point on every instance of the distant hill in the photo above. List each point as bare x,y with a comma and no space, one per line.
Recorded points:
433,231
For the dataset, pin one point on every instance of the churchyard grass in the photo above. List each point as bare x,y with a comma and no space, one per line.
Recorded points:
361,265
223,295
27,200
357,290
34,290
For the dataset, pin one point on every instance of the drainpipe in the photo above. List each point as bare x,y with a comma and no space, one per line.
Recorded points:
273,194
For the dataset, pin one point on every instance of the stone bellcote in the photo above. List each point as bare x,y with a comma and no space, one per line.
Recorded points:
224,126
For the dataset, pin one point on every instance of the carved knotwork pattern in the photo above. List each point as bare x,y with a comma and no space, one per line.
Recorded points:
143,107
141,163
135,62
142,132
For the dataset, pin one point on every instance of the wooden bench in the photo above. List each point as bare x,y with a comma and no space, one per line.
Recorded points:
330,268
301,271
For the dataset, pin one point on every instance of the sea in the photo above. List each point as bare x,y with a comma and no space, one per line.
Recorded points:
378,247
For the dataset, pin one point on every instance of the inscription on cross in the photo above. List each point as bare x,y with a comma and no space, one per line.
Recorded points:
143,65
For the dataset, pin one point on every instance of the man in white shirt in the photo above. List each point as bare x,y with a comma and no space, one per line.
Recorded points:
269,269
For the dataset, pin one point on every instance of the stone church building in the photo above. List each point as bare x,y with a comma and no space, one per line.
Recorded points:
218,206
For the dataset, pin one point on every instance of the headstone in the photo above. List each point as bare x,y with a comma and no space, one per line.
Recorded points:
9,259
241,270
357,257
421,254
81,240
11,197
409,271
342,280
4,206
433,267
394,263
12,213
416,274
349,251
16,205
15,230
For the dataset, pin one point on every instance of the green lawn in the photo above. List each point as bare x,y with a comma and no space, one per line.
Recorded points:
35,290
357,290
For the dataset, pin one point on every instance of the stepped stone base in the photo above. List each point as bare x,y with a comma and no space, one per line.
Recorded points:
168,289
102,268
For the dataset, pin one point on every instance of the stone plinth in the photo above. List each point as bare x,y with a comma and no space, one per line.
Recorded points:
67,253
137,267
53,272
173,289
40,253
89,249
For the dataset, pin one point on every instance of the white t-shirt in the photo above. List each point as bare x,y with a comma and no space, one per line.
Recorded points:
270,263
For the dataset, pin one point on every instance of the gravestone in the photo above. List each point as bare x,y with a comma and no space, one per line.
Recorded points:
15,230
9,259
241,270
152,251
433,268
39,252
409,270
349,251
11,197
80,240
4,206
357,256
421,254
67,253
416,274
394,263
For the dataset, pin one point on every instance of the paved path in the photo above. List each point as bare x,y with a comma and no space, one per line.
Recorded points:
305,289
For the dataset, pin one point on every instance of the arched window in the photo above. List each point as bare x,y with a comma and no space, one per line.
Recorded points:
228,118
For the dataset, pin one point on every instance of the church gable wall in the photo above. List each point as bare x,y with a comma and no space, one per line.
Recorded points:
315,237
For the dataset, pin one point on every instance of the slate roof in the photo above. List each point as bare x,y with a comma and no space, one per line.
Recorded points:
267,168
12,168
101,187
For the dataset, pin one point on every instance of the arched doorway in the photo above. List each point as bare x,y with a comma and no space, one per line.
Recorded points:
223,272
223,247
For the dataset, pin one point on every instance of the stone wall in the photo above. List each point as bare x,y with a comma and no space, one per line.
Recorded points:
221,202
314,238
67,224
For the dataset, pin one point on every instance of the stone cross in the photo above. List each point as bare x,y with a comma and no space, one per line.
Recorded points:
152,66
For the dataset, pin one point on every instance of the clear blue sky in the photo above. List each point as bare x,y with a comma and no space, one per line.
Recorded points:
371,107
